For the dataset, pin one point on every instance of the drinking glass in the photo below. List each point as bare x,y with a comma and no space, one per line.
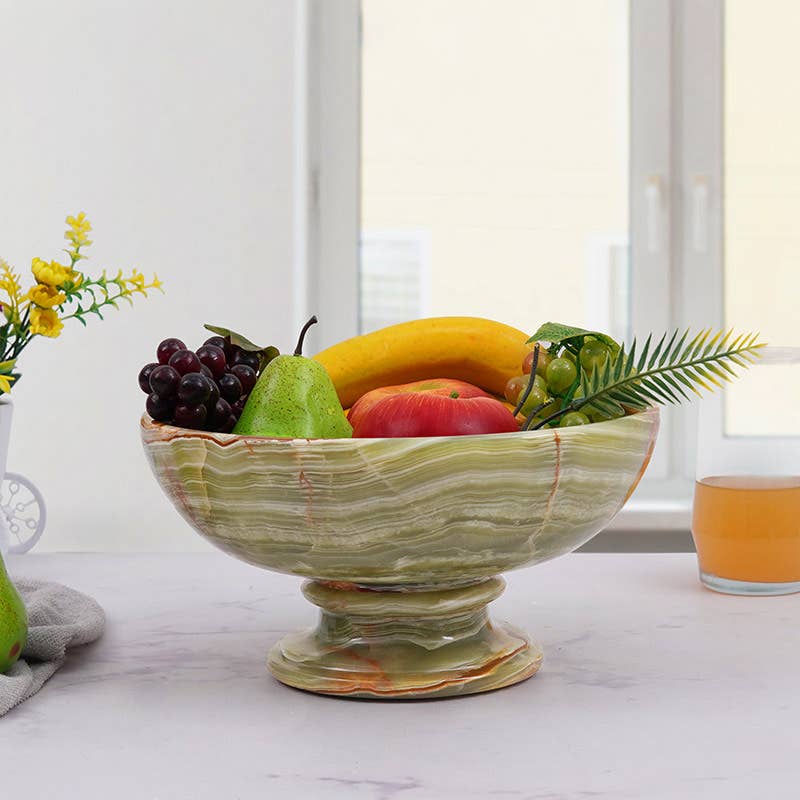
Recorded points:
746,516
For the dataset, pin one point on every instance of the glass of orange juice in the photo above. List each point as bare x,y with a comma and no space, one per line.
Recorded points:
746,516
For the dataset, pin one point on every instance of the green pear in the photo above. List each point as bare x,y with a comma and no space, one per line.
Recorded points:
13,622
294,398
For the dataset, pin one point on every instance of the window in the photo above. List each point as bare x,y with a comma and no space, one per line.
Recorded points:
622,165
762,199
515,178
394,276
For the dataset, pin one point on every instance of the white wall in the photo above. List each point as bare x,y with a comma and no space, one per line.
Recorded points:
170,124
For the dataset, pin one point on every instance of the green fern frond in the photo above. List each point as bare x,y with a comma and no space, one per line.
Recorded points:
667,372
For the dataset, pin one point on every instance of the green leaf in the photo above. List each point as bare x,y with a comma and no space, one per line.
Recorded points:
663,375
236,339
266,354
556,333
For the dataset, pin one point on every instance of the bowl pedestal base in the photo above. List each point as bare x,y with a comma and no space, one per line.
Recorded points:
404,642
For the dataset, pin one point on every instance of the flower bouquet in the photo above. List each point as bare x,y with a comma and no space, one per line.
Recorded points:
61,292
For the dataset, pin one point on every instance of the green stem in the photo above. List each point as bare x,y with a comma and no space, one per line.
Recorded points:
554,416
526,426
298,351
531,382
22,339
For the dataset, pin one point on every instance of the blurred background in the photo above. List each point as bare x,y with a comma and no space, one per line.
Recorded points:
627,166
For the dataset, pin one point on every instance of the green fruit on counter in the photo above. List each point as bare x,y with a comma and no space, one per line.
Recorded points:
294,398
13,622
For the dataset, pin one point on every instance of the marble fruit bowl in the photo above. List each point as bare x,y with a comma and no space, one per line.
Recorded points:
402,540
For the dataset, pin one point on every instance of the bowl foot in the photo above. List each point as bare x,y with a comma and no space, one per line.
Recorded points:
397,643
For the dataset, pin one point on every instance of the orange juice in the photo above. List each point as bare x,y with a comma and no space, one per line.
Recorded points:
747,528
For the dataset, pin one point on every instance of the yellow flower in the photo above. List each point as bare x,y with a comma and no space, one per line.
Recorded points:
9,283
52,274
79,228
5,383
79,223
74,280
46,296
45,321
138,283
78,240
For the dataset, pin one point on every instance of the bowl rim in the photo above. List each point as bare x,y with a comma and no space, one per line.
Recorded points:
172,432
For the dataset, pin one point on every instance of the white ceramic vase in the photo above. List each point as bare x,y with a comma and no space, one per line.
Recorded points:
22,509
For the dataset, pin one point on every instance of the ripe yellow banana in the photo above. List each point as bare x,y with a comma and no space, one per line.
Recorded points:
479,351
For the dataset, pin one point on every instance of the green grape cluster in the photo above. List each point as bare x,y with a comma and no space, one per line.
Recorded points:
539,398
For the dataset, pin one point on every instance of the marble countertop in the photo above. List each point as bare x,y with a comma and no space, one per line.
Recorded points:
652,687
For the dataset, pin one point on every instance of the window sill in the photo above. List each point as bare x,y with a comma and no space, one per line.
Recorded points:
654,515
647,526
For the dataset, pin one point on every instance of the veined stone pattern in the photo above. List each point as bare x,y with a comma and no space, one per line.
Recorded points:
403,538
402,511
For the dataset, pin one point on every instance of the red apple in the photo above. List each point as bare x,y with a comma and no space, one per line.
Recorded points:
441,386
438,407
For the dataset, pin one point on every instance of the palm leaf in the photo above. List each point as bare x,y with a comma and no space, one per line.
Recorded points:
664,373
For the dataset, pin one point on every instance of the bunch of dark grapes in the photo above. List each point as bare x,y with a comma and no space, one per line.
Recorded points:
204,390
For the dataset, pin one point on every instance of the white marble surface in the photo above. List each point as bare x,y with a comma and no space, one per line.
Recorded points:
651,688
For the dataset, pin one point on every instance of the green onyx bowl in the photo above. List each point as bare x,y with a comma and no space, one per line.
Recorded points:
402,541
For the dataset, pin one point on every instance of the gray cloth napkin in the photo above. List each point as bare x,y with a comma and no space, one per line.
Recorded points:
58,618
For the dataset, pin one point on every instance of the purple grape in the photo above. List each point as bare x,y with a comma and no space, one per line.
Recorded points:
194,389
230,350
217,341
207,372
246,375
190,416
185,361
213,397
144,377
249,359
159,408
238,407
164,380
214,358
221,412
229,425
230,387
167,348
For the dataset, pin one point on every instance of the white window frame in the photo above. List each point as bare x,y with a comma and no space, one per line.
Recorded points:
675,230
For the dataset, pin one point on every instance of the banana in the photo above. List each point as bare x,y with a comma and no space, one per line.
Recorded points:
479,351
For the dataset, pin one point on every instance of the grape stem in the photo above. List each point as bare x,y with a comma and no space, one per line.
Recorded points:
524,396
570,407
526,425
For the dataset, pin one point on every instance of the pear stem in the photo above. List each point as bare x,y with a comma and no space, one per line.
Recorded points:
298,351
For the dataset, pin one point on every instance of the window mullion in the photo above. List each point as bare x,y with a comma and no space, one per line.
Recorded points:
331,174
651,186
699,173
